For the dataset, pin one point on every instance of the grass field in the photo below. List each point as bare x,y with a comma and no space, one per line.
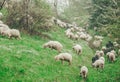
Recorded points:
26,60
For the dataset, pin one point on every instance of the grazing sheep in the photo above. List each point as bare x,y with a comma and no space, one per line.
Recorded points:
98,37
64,57
1,15
95,58
98,64
3,27
76,37
12,33
115,44
102,58
99,53
109,44
97,43
84,71
103,48
89,38
53,45
111,56
78,49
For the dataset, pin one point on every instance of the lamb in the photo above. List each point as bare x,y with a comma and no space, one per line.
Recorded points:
84,71
12,33
64,57
98,64
53,45
78,49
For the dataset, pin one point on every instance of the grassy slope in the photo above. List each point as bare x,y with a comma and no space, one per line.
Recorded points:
26,61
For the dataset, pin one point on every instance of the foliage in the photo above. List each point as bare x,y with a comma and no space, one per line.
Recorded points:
77,12
105,12
28,15
106,17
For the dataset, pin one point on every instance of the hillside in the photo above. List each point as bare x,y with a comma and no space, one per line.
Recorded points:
26,60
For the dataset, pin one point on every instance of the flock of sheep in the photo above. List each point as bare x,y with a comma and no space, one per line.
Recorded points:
6,31
76,33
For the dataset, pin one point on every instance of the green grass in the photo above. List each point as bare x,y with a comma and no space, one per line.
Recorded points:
25,60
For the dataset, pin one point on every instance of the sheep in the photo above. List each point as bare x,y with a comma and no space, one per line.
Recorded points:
98,64
103,48
64,57
109,44
115,44
84,71
99,53
12,33
1,15
98,37
3,27
95,58
78,49
111,56
76,37
102,58
97,43
89,38
53,45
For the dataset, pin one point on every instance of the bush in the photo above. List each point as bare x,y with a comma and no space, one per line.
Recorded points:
29,16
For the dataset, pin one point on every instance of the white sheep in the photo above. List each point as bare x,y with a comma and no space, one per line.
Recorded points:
98,37
84,71
78,49
102,58
104,48
115,44
97,43
76,37
64,57
53,45
111,56
98,64
99,53
12,33
3,27
89,38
